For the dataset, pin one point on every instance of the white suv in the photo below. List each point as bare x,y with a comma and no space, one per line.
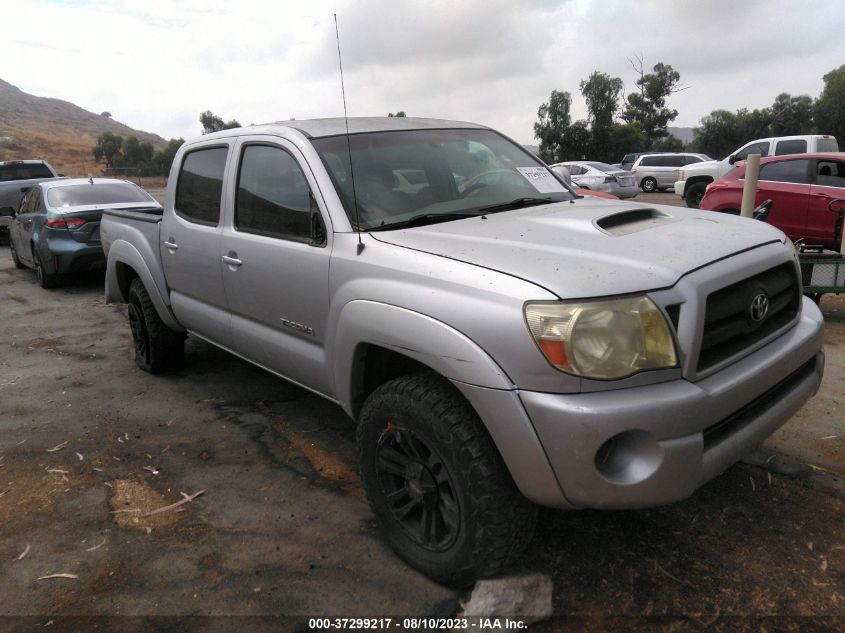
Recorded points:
693,181
653,172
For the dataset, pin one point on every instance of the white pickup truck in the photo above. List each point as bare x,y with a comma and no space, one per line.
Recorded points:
500,341
693,179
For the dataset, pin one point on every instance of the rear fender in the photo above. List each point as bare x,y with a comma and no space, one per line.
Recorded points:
122,252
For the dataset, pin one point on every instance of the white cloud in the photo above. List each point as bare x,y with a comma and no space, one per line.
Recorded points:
156,65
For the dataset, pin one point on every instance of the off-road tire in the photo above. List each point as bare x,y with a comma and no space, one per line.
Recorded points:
45,280
694,193
15,259
495,522
157,348
649,185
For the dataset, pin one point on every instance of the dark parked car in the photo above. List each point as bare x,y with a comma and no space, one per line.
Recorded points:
802,188
56,229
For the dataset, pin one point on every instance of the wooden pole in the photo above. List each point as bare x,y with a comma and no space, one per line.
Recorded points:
749,190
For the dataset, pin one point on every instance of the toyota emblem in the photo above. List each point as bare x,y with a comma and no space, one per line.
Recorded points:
759,307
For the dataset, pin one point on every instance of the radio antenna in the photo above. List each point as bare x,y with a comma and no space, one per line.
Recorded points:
348,144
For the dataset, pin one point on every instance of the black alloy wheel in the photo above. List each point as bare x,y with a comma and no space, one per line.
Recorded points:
694,194
140,335
418,488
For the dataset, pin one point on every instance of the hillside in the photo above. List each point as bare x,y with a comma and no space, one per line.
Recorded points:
55,130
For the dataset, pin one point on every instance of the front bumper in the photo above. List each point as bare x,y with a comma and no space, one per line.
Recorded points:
680,185
650,445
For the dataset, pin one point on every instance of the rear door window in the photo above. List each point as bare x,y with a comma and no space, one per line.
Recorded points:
830,173
200,186
796,146
786,171
828,144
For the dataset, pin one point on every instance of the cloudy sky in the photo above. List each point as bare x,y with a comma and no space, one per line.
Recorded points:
156,64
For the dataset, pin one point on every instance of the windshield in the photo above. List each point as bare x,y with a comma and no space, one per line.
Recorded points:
433,173
96,194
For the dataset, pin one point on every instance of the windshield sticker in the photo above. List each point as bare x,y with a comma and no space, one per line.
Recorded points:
541,179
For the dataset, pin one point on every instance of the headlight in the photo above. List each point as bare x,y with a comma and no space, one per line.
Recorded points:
605,339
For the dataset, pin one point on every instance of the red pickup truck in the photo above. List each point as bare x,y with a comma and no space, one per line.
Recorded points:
801,187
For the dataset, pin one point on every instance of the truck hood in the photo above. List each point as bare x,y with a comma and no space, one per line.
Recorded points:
706,166
590,247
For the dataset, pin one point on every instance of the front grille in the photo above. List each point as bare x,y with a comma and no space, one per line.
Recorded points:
728,324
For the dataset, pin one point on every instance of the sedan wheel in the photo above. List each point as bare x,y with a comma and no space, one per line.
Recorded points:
45,279
15,259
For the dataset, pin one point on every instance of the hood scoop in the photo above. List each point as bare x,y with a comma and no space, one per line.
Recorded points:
633,221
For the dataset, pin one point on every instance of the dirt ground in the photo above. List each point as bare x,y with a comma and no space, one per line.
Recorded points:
91,448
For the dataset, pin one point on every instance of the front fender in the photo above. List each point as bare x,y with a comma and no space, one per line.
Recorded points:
422,338
473,372
125,253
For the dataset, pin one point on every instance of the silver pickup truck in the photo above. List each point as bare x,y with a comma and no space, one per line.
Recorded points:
500,341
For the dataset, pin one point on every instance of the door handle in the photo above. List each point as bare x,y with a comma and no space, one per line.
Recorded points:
171,245
232,261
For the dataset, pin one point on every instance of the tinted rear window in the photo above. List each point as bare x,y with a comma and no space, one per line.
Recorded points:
661,161
24,172
786,171
798,146
827,145
98,193
200,185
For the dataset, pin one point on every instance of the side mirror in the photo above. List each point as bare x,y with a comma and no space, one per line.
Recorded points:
762,212
318,229
732,159
25,189
60,175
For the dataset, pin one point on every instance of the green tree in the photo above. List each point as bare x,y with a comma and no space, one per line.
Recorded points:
668,143
213,123
108,149
721,132
601,91
792,115
577,141
647,106
753,124
163,158
135,153
401,113
553,119
625,138
830,106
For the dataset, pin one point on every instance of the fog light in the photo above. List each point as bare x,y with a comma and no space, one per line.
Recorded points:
629,458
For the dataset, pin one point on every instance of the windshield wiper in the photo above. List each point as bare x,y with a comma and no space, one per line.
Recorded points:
423,219
518,203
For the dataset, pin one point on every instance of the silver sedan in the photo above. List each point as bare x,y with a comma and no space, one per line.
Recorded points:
597,176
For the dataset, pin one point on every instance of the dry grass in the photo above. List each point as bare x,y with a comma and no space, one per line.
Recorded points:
57,131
